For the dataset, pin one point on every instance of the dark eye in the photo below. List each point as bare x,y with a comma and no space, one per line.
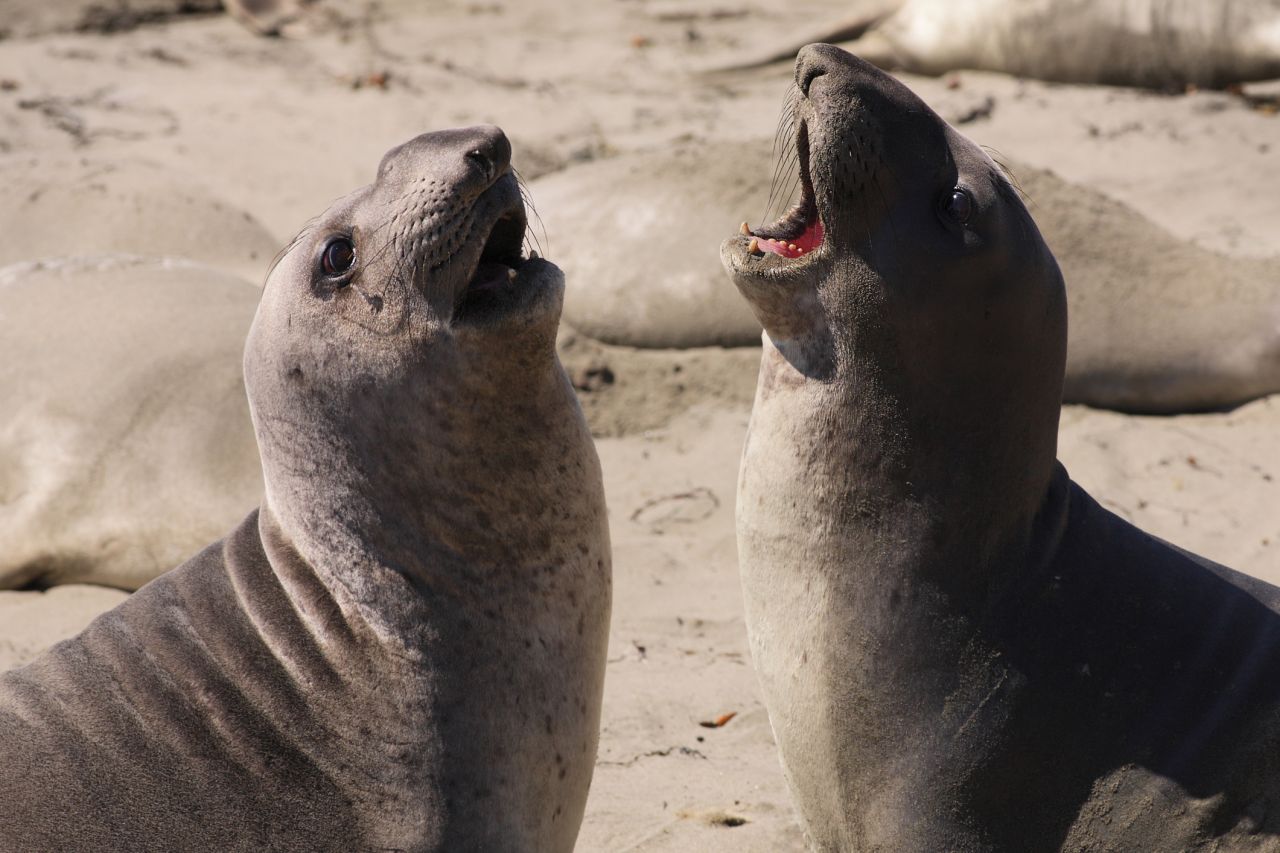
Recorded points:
958,206
338,256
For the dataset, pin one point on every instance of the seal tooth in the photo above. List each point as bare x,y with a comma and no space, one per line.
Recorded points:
746,232
791,246
753,246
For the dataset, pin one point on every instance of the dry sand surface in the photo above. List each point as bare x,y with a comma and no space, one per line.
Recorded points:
270,130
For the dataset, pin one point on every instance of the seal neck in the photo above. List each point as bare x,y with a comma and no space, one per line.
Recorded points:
400,510
938,482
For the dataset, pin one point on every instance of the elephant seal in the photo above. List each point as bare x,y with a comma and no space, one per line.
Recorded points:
125,443
403,648
613,207
82,206
1161,44
1159,324
958,648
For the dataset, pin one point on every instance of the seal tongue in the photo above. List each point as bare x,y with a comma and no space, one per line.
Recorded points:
809,239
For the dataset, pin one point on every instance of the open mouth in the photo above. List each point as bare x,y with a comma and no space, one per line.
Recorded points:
502,255
505,282
799,232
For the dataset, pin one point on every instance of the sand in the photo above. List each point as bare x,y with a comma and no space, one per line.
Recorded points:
276,128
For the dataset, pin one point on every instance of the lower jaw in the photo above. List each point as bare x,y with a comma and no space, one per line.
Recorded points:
494,297
771,266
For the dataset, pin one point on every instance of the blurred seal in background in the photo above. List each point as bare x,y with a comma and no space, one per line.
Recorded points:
1160,44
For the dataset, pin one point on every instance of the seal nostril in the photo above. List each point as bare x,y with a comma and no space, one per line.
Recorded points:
483,161
805,77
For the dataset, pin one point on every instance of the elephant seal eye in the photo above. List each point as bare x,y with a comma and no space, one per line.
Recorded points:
958,206
338,256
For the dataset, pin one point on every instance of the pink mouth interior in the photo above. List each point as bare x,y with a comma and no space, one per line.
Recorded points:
809,239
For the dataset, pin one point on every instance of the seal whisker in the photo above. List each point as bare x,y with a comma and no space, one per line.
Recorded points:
787,179
395,278
398,279
386,246
786,119
784,139
788,158
531,236
791,183
784,147
297,238
779,164
1006,173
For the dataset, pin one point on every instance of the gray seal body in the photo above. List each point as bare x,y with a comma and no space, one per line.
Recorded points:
958,648
404,647
1162,44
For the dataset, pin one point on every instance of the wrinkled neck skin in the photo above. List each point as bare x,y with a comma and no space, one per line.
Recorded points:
418,486
453,511
898,473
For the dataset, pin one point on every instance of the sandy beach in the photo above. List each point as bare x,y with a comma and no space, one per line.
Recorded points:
232,141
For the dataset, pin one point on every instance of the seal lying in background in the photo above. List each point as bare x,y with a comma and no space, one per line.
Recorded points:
404,647
125,445
125,441
1158,324
93,206
959,649
1148,43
